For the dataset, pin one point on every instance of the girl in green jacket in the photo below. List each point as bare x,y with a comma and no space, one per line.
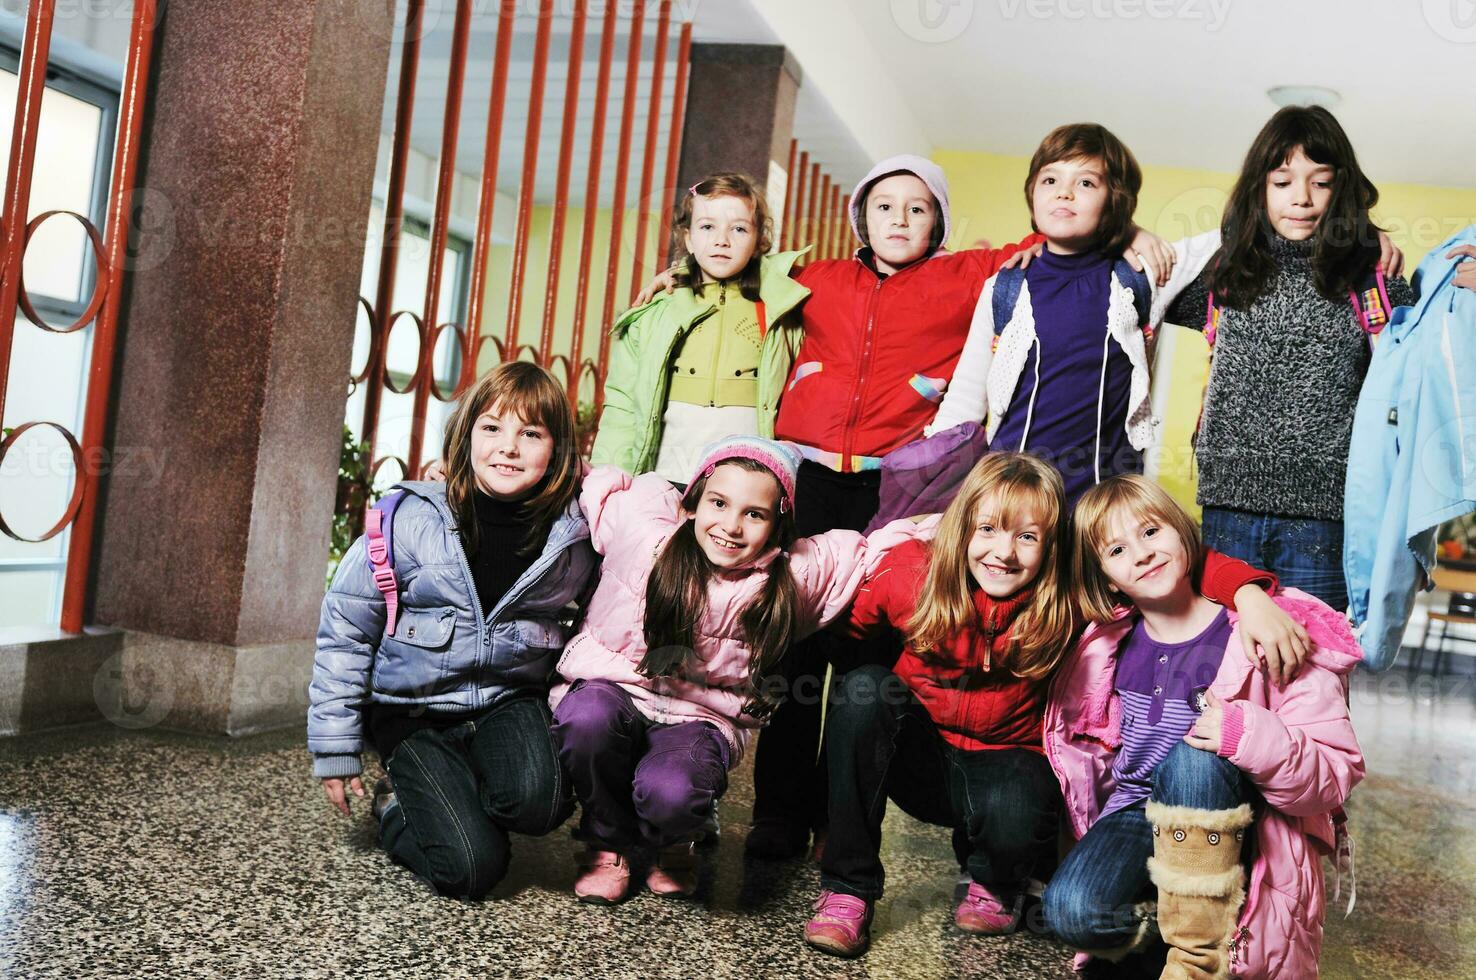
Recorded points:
709,359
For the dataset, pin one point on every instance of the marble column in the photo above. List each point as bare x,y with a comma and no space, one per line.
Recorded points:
258,164
749,134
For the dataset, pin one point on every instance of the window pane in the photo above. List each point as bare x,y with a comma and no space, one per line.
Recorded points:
66,157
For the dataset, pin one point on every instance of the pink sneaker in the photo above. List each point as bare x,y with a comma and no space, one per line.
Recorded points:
987,914
604,878
841,924
674,872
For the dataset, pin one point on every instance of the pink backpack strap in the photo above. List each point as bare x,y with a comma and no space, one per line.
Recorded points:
379,535
1371,306
1211,320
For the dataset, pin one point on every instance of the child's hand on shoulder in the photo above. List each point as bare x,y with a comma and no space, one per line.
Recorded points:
1151,254
435,471
664,282
1466,271
1024,257
1391,259
1271,639
337,788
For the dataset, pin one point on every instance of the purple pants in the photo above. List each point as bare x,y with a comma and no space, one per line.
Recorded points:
637,781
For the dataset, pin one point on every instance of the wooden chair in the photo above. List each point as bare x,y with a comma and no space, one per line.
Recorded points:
1461,610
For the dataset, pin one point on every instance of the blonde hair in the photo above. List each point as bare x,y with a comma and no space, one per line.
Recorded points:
1144,500
1021,485
537,398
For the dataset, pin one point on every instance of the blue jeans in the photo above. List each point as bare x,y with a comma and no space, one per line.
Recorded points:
1003,804
1091,902
460,790
1303,552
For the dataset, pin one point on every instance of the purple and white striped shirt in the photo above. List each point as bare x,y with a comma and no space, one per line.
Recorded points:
1157,683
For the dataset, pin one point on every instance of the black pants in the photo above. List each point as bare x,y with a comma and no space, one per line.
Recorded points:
1003,804
462,789
788,782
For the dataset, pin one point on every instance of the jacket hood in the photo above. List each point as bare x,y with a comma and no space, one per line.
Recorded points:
922,168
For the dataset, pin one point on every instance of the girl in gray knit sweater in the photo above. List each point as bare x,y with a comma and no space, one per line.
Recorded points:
1290,353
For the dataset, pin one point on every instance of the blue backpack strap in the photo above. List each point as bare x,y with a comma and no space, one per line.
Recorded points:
379,524
1006,295
1138,283
1371,306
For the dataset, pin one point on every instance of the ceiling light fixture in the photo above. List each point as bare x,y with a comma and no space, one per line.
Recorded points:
1285,95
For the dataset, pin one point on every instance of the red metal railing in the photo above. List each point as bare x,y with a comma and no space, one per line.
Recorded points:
813,213
525,249
101,312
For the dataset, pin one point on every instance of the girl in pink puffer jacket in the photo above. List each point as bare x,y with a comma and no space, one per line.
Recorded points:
1170,752
699,596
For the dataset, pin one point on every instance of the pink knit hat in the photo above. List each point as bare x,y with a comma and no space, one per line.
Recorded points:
780,458
922,168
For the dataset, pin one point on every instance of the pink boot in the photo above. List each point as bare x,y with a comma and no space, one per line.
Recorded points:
604,878
986,913
674,872
841,924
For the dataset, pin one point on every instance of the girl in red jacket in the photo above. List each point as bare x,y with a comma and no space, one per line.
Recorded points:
952,732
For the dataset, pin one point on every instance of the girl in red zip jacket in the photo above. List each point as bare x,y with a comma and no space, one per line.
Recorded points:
953,732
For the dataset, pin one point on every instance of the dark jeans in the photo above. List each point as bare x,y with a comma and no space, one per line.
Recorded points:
637,781
788,781
1303,552
1003,804
462,789
1091,902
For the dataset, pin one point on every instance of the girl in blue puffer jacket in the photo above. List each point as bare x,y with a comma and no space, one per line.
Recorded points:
448,680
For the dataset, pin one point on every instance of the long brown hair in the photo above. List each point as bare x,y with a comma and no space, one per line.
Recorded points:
745,188
1121,173
1345,244
534,396
676,597
1019,484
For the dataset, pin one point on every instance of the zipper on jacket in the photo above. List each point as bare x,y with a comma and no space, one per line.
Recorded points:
863,366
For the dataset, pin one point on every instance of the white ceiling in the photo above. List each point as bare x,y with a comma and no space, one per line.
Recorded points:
1183,82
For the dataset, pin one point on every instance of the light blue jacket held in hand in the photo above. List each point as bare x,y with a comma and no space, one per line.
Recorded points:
1412,463
447,653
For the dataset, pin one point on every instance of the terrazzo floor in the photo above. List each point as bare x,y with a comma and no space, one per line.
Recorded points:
132,854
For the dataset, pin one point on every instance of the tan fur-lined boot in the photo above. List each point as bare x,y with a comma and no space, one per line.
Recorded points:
1201,885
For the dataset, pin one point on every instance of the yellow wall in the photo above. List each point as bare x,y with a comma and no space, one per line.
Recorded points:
535,284
987,198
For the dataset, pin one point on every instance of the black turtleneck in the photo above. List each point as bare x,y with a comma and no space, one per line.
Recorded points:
500,558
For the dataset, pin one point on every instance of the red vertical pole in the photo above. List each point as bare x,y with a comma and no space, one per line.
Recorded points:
507,10
591,199
529,176
31,84
617,208
812,188
674,144
638,273
561,192
847,241
822,246
440,221
786,221
389,248
797,186
837,220
131,103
